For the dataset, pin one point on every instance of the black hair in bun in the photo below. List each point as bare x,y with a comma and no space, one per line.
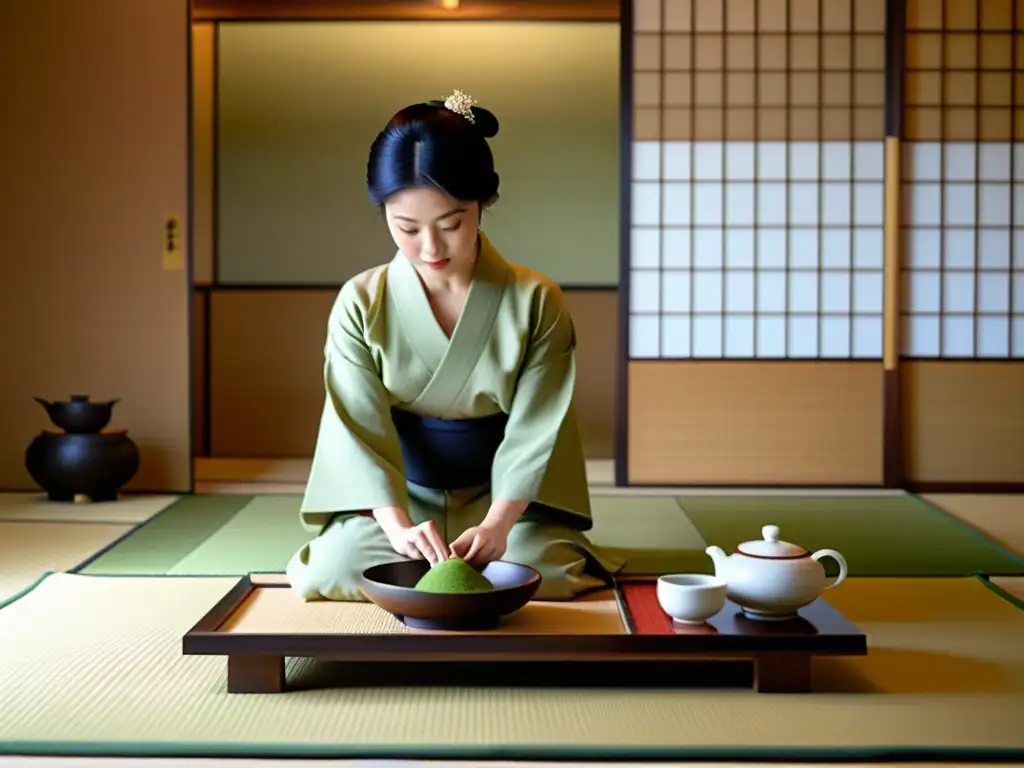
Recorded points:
483,119
432,144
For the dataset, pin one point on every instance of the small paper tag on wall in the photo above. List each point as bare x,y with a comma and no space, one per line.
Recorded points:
174,249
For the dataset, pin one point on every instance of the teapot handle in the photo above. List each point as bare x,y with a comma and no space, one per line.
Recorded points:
839,559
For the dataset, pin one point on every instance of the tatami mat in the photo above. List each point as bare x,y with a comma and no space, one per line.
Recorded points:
28,550
897,535
162,541
1013,585
92,660
998,515
129,509
227,534
651,533
261,536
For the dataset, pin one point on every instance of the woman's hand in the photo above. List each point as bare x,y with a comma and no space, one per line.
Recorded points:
481,544
420,542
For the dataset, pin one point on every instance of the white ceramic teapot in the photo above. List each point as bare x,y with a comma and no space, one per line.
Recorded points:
772,579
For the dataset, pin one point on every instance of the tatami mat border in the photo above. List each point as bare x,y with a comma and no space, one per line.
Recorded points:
26,589
996,589
499,752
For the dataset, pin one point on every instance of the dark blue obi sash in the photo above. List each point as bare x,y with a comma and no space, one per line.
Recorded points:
448,454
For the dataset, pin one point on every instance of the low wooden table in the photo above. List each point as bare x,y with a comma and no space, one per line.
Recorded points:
257,625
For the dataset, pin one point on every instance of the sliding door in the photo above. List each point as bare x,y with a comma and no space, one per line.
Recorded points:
756,250
95,297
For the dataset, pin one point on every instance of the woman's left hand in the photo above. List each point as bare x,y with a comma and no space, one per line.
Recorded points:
481,544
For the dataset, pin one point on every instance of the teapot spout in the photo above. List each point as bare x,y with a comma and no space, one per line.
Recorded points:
45,403
718,557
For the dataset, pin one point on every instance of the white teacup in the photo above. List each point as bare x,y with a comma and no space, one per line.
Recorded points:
691,598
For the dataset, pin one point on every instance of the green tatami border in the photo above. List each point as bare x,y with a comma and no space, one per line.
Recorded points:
26,590
507,752
1013,600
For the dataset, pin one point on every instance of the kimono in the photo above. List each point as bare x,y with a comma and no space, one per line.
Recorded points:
439,427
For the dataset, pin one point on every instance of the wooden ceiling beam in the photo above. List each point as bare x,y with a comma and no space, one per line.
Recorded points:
399,10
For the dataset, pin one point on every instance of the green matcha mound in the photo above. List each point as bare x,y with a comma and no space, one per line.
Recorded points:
454,577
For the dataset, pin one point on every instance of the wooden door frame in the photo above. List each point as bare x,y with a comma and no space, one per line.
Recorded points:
892,379
893,449
404,10
190,238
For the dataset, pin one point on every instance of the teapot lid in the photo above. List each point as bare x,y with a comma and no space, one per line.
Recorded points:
770,547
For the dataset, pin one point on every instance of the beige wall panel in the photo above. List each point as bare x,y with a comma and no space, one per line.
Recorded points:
964,421
97,156
203,110
266,363
286,96
267,353
596,314
760,423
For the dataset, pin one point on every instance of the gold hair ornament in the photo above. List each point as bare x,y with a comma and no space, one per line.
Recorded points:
461,103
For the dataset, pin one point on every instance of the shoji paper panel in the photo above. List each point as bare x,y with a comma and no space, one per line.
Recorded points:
964,181
757,185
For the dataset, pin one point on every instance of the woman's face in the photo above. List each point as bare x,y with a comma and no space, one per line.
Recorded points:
434,231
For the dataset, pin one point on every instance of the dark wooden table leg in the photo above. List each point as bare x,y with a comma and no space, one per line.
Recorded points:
782,673
255,673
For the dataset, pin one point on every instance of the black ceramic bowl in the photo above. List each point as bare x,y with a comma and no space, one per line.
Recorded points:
79,415
392,587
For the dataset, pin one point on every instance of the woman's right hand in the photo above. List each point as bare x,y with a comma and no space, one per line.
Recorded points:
419,542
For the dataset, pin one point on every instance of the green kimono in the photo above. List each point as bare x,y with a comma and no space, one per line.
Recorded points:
510,357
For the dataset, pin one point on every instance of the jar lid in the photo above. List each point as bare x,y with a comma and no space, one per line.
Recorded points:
770,547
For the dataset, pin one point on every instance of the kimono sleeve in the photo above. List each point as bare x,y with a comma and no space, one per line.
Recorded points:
357,462
541,457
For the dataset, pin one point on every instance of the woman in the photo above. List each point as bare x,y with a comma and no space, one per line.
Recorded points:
448,426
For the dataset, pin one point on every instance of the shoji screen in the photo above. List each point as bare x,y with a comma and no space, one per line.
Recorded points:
963,268
755,282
